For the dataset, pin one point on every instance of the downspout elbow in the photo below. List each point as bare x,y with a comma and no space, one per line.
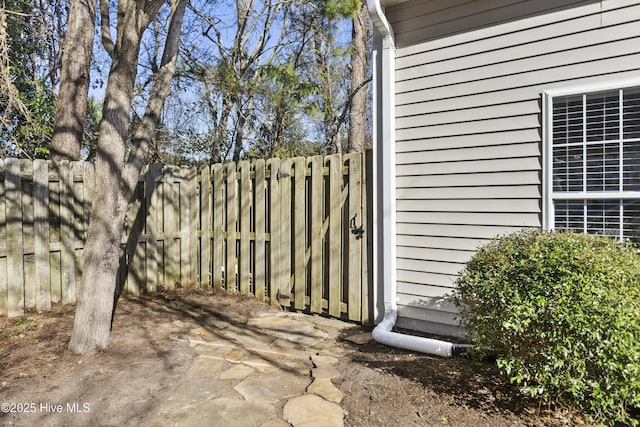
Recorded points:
380,21
383,334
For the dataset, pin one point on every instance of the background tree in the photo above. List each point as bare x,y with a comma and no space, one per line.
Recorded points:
271,79
325,66
10,98
31,63
257,78
230,68
359,79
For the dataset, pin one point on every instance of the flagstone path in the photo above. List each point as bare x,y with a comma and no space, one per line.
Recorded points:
273,370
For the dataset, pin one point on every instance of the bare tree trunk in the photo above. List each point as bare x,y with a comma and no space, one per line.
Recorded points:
115,179
222,130
240,126
239,138
358,79
71,104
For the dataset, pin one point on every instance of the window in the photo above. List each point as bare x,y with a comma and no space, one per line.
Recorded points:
592,161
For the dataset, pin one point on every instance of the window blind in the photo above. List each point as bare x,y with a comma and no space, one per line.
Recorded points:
596,152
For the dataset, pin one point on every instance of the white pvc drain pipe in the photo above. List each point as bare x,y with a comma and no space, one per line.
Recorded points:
383,334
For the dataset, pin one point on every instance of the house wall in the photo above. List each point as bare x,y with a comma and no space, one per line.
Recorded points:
469,83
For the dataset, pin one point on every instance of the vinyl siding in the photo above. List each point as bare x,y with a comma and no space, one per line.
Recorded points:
469,79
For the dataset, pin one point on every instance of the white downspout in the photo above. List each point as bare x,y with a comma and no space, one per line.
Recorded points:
384,99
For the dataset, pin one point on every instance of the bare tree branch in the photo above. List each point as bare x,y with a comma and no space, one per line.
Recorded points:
105,27
162,85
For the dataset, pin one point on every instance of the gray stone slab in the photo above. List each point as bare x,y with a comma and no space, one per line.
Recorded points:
203,333
261,365
215,348
331,348
278,422
220,324
246,337
324,388
333,326
310,410
226,412
294,330
237,372
359,338
284,358
272,387
237,355
321,360
325,371
194,391
282,345
204,367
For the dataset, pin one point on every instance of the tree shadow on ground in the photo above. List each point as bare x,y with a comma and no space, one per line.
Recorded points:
208,309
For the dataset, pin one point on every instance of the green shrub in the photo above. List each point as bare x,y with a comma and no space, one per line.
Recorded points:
561,311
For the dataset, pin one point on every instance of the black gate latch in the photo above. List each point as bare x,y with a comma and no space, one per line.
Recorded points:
357,231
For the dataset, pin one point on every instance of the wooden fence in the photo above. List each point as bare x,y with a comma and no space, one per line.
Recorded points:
292,232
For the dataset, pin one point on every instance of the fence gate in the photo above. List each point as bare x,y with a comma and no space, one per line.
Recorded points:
291,232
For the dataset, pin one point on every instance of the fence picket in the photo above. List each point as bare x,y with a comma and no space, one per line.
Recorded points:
315,204
135,221
218,224
244,219
67,255
171,217
285,230
28,238
15,261
193,205
334,259
232,221
299,238
355,239
260,265
153,226
205,226
273,166
41,232
184,221
55,191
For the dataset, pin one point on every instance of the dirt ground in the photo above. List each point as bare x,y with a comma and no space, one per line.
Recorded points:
44,384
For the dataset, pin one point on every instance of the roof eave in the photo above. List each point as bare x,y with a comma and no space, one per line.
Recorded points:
386,3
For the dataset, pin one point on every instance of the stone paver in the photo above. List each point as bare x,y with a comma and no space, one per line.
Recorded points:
321,360
272,387
324,388
358,338
325,371
271,370
278,422
313,411
225,412
238,372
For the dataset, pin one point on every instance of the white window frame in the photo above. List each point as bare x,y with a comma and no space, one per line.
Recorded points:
548,211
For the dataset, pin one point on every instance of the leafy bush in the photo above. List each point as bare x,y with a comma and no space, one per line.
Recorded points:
562,312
